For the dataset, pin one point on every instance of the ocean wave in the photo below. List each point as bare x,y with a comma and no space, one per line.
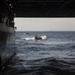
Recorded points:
44,66
73,46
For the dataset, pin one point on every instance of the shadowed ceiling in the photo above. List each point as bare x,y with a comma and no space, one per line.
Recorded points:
44,8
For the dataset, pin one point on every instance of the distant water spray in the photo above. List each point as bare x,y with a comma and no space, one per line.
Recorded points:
44,37
33,38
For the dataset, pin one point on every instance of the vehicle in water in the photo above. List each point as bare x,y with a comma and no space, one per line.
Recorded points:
38,38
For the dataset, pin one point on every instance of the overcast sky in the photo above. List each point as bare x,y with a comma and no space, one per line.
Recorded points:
45,24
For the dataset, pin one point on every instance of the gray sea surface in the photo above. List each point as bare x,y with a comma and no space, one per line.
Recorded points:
53,55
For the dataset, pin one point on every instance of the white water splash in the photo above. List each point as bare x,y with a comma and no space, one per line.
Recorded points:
44,37
33,38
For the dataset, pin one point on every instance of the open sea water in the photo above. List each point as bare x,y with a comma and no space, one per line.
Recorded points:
54,55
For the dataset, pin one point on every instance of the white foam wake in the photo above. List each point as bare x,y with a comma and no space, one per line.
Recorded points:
44,37
33,38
